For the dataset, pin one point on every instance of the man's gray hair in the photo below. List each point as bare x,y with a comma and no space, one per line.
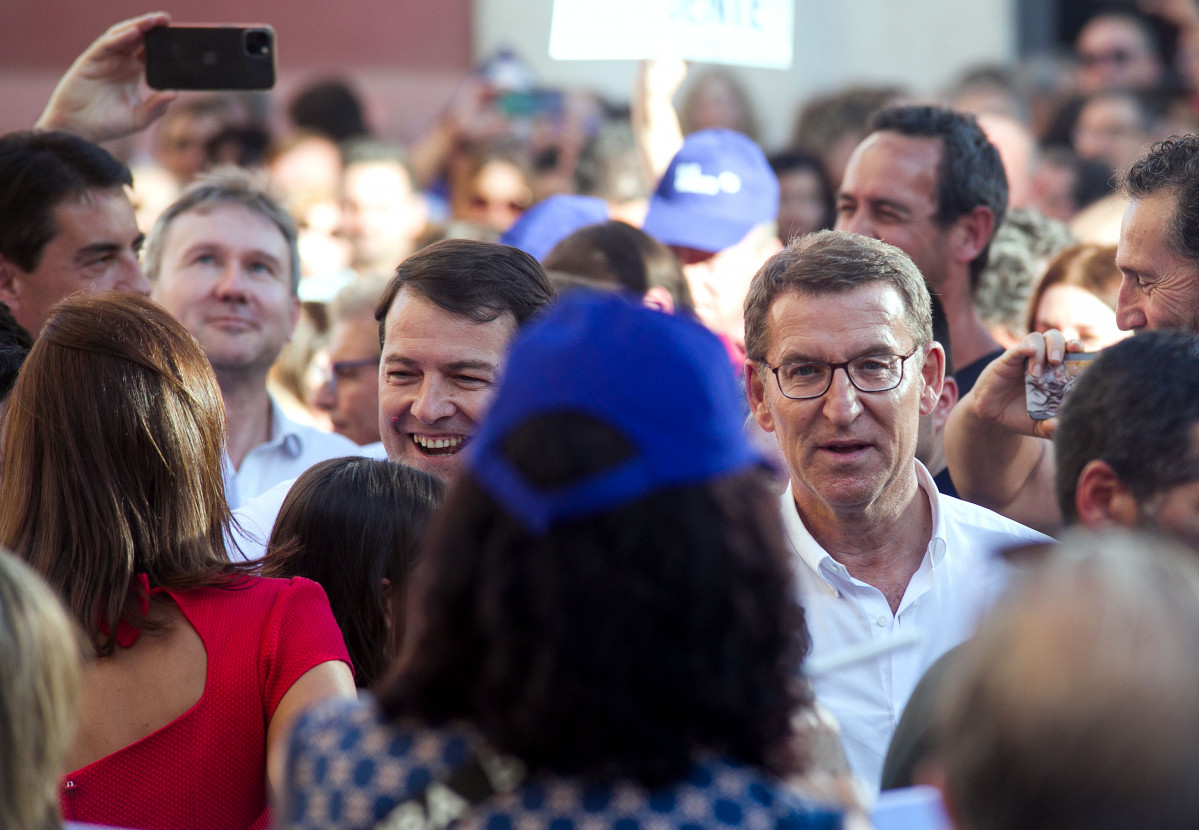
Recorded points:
834,262
224,186
358,299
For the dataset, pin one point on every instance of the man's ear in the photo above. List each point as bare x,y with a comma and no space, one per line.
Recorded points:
755,393
295,315
945,404
972,232
933,375
658,297
1102,499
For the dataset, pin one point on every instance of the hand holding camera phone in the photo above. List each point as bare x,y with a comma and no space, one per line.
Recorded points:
1044,394
210,57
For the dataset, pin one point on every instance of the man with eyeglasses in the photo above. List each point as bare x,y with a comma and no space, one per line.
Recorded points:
841,366
1118,50
348,388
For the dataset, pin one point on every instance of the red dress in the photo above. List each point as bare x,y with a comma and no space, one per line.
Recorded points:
207,768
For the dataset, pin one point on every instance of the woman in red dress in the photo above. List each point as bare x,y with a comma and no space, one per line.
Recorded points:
112,489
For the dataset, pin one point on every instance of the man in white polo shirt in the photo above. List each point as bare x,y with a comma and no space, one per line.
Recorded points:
841,365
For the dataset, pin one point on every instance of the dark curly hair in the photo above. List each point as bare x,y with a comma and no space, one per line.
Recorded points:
1171,166
616,645
970,172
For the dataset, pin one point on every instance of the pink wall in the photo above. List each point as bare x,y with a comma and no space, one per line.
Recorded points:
404,55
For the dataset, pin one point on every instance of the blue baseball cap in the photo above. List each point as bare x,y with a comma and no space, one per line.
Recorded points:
663,382
717,188
551,220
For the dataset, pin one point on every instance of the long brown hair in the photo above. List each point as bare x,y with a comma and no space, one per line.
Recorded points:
112,460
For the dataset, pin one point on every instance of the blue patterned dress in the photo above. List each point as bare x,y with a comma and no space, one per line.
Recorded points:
348,769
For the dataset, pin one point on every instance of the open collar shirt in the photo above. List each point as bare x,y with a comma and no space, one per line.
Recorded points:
291,449
958,579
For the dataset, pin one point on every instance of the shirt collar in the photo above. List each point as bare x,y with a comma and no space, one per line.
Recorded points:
936,545
823,564
284,432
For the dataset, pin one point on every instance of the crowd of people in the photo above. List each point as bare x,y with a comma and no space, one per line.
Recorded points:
587,465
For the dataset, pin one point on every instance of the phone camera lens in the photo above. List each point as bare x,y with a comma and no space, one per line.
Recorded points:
258,43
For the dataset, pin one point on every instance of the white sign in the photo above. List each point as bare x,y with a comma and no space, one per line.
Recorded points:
743,32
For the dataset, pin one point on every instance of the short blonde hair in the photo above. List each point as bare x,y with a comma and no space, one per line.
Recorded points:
41,651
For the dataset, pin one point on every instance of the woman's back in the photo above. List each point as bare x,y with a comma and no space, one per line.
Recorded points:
158,678
195,756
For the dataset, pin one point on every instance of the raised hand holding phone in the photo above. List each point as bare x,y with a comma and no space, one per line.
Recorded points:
102,97
210,57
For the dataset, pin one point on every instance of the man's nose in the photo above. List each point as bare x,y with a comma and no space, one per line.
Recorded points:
231,282
856,222
133,280
1130,313
841,404
433,402
324,397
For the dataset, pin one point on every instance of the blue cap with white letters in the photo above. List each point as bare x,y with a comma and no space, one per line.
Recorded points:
717,188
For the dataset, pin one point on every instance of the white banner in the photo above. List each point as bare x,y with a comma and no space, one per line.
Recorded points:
742,32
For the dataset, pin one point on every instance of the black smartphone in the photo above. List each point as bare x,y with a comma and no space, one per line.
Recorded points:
210,57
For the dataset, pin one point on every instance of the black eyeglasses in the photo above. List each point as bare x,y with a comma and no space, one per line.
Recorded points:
1118,57
344,370
812,378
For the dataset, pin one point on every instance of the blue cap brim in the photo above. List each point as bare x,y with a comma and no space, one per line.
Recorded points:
682,226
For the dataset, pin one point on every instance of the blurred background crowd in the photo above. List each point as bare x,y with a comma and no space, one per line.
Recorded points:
449,120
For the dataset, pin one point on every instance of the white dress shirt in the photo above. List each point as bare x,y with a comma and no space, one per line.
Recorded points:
292,448
956,582
255,519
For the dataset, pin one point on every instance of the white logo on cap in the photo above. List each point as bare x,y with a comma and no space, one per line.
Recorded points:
690,178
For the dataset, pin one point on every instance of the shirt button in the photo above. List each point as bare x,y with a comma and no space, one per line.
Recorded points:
882,621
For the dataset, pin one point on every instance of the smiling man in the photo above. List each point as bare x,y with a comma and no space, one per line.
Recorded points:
928,181
445,321
66,224
841,366
223,260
